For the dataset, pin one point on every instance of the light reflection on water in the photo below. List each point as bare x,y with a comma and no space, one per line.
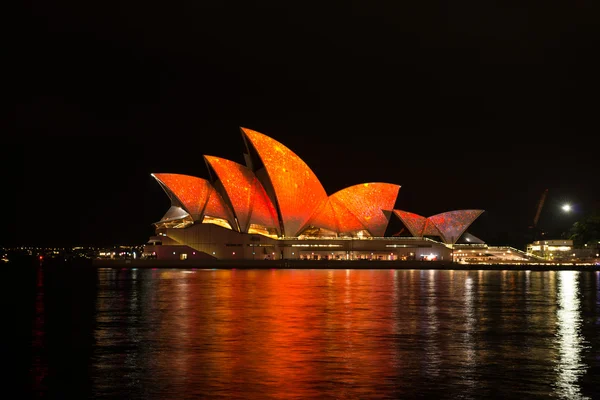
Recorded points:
279,334
570,366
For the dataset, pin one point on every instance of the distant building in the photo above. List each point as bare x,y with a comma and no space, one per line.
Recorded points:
561,250
552,250
274,207
120,252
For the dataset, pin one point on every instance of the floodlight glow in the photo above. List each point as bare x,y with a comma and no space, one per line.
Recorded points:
566,207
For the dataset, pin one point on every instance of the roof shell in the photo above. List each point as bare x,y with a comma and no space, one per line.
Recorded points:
189,192
298,191
216,208
413,222
367,201
250,203
452,224
333,215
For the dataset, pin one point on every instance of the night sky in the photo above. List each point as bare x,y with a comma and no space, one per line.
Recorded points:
464,104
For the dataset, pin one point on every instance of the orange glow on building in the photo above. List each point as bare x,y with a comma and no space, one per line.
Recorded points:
413,222
325,217
335,217
237,182
347,221
453,224
298,192
190,192
248,198
264,213
366,201
275,208
430,229
216,208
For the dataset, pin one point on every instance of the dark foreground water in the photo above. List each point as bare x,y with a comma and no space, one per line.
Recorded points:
314,334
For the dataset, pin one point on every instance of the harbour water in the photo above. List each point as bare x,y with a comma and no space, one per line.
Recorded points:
311,334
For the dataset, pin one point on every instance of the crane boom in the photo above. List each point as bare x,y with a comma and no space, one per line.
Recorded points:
539,208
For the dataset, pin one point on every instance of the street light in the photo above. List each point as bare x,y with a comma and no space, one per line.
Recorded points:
566,207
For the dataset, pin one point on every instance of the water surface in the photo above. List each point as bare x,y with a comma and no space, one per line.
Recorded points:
326,334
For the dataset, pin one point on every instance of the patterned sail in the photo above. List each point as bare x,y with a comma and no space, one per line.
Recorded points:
186,191
298,192
413,222
453,224
263,211
250,202
431,230
366,201
216,208
277,194
237,182
346,220
324,217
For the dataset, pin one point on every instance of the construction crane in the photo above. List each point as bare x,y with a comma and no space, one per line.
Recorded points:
538,211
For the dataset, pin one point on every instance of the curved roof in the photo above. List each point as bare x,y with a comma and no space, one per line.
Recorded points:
452,224
216,208
366,201
249,200
283,193
298,192
263,211
347,221
325,217
413,222
335,216
431,230
188,192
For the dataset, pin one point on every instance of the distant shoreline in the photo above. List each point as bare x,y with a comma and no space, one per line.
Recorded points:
323,264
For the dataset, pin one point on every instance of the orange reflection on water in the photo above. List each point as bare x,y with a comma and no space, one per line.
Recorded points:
281,330
257,334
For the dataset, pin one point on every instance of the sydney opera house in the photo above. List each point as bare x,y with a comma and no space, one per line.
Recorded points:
274,207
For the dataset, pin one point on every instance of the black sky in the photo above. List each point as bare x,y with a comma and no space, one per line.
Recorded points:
465,105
